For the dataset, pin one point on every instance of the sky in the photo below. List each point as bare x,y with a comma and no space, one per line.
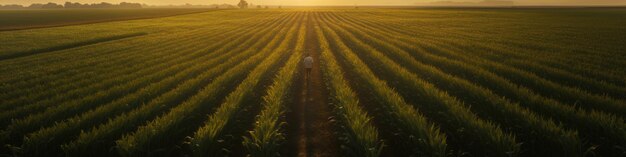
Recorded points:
334,2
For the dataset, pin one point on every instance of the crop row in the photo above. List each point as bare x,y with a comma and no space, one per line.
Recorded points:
101,95
96,54
88,142
154,96
504,51
138,102
360,136
459,119
425,137
146,139
267,135
587,122
483,101
122,60
567,95
65,82
486,51
133,100
107,83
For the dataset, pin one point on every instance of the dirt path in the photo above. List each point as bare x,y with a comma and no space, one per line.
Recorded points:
309,131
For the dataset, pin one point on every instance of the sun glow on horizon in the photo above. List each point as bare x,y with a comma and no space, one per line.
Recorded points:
331,2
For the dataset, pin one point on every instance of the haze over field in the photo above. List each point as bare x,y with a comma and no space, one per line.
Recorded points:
309,78
343,2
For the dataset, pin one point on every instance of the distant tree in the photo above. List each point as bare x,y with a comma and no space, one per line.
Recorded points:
11,6
280,7
69,5
102,5
243,4
258,6
74,5
51,6
266,7
129,5
35,6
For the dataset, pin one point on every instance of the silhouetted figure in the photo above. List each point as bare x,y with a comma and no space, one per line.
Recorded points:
308,65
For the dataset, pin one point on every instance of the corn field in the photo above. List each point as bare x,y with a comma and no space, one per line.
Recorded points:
397,82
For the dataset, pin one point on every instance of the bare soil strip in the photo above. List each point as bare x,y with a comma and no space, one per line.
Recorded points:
309,131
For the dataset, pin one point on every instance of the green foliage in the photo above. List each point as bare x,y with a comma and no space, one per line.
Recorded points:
362,136
38,18
266,138
426,138
206,139
477,82
165,128
48,138
548,137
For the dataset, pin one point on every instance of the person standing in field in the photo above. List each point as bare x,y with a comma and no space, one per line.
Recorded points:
308,65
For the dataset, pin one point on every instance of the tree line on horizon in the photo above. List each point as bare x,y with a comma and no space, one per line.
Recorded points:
70,5
52,5
243,4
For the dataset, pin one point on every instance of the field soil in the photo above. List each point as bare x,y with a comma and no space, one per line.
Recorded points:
309,131
495,82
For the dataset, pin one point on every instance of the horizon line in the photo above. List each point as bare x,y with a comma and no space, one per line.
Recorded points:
374,5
